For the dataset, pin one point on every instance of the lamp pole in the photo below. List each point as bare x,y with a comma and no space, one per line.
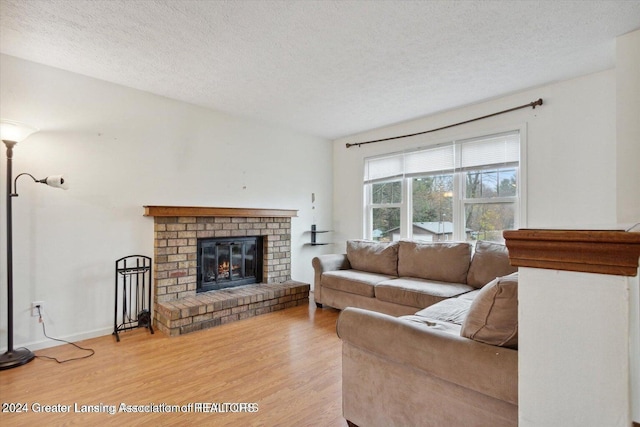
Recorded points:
12,358
11,133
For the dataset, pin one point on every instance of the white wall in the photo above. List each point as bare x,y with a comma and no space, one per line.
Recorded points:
573,367
628,126
123,149
628,188
571,155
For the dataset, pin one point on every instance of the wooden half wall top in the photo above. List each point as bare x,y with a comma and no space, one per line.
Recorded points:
591,251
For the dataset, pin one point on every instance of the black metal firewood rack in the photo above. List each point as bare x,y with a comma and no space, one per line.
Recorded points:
133,294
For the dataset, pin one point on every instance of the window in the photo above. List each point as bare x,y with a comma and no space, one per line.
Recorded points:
463,190
386,198
432,207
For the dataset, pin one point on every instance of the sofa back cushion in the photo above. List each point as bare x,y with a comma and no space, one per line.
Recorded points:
493,315
374,257
445,262
489,261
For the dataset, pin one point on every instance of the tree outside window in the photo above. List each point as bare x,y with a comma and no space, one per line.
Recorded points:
386,197
490,201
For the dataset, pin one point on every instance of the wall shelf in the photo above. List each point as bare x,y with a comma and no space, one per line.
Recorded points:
314,234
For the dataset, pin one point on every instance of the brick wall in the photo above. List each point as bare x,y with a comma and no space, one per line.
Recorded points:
175,249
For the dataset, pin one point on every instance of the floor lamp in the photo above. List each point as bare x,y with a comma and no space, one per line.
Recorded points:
11,133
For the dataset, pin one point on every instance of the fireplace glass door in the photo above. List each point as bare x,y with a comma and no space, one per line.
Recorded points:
224,263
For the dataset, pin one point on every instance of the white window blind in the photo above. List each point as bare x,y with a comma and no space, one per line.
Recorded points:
488,151
497,150
384,168
430,161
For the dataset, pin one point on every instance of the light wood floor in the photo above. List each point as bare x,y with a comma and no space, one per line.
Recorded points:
287,362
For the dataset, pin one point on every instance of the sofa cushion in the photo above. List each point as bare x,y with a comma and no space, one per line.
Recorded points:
353,281
445,262
452,310
376,257
493,315
418,293
490,260
442,325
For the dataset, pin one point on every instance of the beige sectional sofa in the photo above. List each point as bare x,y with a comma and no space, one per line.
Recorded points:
403,277
434,348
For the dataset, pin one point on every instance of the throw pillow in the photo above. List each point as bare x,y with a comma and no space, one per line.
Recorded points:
374,257
490,260
493,315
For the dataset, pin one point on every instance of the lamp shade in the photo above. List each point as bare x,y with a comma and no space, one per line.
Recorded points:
11,130
57,181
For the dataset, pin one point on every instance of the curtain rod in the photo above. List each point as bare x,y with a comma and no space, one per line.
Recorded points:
533,105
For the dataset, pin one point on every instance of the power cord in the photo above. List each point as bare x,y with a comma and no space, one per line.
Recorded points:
44,331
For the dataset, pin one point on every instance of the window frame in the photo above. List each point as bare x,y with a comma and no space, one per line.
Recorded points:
369,207
460,201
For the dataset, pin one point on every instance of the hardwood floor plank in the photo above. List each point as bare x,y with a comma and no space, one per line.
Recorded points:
287,362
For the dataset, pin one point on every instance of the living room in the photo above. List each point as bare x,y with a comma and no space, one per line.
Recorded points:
123,148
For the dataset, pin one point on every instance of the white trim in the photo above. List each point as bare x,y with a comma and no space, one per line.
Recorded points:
406,210
522,178
48,343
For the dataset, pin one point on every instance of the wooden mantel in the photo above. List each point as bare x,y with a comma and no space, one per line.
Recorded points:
200,211
592,251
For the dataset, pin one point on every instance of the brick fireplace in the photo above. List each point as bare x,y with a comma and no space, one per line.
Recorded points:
178,308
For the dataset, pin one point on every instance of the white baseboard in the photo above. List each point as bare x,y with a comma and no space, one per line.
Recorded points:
47,343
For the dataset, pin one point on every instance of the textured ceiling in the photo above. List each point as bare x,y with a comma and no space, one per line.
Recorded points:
327,68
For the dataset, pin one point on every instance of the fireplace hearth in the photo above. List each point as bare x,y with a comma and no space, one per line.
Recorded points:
228,262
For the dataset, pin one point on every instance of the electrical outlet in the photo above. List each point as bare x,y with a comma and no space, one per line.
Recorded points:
34,308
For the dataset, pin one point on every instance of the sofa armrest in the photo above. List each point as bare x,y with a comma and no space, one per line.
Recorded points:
330,262
484,368
324,263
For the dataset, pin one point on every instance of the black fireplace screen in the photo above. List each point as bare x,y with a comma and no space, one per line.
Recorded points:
227,262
